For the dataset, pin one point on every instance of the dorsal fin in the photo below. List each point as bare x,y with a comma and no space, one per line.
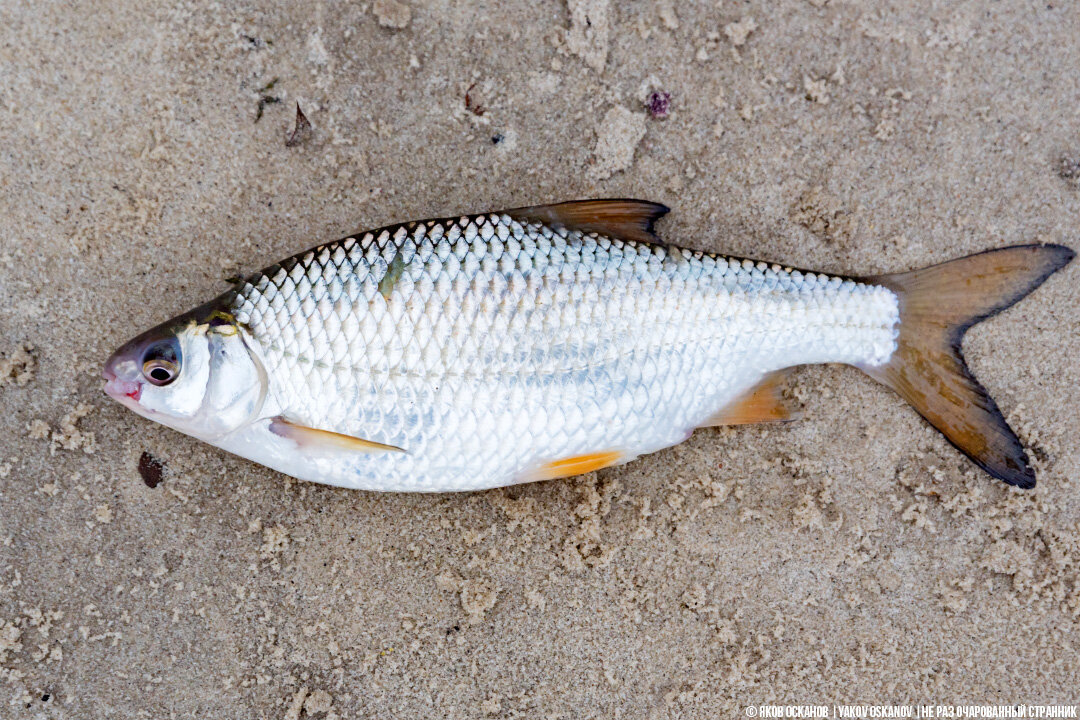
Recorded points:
623,219
762,403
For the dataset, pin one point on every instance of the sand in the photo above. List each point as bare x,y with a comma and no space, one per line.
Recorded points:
853,556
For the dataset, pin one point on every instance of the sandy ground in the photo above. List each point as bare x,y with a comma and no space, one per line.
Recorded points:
849,557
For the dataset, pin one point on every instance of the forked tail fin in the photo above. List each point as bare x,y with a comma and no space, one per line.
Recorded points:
937,306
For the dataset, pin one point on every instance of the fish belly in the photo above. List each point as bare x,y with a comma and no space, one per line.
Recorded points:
494,351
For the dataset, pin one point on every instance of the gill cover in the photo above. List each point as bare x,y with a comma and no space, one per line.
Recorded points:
236,387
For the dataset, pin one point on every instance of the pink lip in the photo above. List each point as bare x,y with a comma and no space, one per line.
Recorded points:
119,389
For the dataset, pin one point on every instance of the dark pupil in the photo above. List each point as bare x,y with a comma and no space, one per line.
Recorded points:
160,374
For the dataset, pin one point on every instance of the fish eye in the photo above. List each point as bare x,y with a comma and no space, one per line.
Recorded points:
161,362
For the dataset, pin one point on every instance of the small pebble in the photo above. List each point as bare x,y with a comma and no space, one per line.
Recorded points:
659,104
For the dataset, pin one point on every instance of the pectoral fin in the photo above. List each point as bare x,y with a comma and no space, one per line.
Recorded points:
763,403
311,438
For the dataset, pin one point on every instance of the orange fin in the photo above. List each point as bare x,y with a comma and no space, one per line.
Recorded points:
311,438
577,465
621,219
937,306
763,403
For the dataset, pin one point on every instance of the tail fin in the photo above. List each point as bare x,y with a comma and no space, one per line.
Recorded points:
937,306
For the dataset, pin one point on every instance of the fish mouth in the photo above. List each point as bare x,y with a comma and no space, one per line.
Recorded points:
126,392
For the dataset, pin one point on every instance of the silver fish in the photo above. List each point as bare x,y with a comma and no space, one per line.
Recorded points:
543,342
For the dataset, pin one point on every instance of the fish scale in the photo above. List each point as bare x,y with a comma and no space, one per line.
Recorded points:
505,344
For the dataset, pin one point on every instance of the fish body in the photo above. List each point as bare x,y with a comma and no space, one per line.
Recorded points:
493,349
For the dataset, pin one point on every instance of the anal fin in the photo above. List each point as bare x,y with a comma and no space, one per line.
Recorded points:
314,439
762,403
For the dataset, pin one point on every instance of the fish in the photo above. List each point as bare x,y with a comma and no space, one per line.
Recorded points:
544,342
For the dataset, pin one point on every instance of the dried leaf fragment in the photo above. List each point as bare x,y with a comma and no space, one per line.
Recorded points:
302,131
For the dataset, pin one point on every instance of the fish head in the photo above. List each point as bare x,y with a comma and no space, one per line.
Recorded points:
194,373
